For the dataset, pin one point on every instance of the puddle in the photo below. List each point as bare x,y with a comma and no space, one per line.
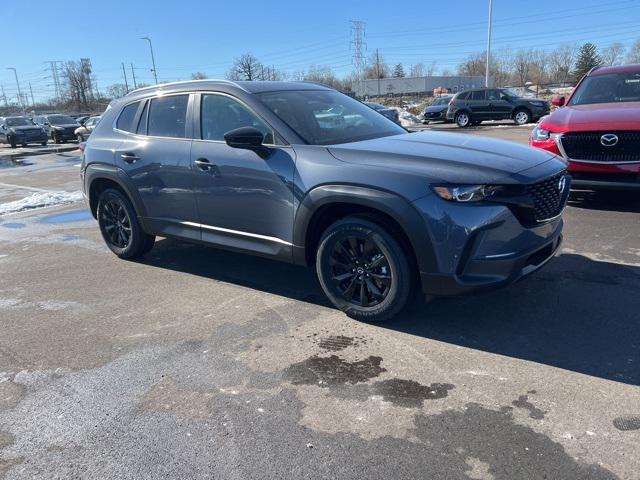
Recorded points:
331,371
12,162
13,225
68,217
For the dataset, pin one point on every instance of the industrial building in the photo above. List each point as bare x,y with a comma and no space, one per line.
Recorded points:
416,85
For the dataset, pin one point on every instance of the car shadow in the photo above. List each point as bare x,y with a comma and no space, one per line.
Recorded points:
576,314
617,201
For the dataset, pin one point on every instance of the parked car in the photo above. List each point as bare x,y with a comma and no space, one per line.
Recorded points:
59,128
85,128
597,130
390,113
474,106
436,111
20,130
247,166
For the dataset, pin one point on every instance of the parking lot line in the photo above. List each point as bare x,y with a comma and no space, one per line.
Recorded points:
34,189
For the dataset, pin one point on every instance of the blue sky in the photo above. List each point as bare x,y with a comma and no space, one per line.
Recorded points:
191,36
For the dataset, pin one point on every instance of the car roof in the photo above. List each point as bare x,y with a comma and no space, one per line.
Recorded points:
208,84
632,68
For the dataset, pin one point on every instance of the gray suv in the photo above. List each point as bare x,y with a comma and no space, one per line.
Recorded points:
301,173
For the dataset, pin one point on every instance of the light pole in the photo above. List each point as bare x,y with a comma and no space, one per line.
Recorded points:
153,60
486,73
15,73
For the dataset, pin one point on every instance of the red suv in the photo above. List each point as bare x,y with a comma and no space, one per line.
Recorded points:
598,131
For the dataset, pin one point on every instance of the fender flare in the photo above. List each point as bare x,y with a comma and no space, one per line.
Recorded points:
398,208
97,171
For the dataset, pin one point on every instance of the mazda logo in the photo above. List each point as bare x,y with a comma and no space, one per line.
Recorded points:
609,140
562,183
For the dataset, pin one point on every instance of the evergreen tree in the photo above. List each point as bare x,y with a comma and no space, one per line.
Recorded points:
398,71
587,59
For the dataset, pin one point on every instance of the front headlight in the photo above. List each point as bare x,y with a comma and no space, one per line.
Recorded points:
540,134
465,193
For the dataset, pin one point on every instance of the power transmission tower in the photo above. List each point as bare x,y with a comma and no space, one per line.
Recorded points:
4,97
33,102
358,46
56,78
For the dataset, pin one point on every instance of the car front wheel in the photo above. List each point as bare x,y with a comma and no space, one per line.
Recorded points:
463,119
522,117
363,270
119,226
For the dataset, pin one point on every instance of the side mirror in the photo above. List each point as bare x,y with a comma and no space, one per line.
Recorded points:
558,101
248,138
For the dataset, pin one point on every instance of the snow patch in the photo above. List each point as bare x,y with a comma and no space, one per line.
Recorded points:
407,119
40,200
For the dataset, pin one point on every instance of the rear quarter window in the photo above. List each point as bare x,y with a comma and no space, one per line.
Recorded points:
125,120
463,96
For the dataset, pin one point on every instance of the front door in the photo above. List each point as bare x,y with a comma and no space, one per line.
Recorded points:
499,104
156,157
244,200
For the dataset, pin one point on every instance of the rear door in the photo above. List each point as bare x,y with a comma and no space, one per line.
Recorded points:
155,155
479,105
244,201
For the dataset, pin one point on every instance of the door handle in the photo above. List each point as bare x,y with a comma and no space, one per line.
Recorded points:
129,157
204,164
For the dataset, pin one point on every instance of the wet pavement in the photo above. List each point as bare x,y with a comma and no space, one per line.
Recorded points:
198,363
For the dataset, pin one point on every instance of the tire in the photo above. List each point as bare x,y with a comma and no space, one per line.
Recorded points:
54,138
44,144
463,119
521,116
119,226
12,142
371,287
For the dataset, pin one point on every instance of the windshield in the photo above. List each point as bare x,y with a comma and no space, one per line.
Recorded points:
608,88
60,120
441,101
328,117
18,122
510,93
376,106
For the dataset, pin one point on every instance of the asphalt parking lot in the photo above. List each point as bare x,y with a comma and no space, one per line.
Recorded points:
198,363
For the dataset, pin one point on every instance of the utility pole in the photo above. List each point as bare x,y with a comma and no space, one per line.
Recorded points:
486,73
153,60
33,102
133,74
20,100
358,45
124,71
378,69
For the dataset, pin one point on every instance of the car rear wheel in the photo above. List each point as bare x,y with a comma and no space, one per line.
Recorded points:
463,119
119,226
12,142
522,117
363,270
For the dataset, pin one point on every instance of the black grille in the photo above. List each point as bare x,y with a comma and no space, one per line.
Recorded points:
548,198
588,146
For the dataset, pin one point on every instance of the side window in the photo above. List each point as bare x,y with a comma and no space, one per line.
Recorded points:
493,94
142,124
477,95
168,116
125,120
220,114
463,96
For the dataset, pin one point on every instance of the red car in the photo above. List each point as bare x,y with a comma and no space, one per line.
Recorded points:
598,129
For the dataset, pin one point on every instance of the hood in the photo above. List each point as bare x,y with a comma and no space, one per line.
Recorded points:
27,128
448,157
436,108
66,125
597,116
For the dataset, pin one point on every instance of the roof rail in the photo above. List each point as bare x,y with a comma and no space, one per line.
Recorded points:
169,84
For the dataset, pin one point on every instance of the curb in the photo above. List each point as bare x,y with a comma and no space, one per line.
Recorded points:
18,154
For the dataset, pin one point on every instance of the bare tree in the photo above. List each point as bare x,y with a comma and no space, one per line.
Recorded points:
324,75
78,78
417,70
613,54
431,69
561,61
199,76
117,90
376,67
246,67
633,56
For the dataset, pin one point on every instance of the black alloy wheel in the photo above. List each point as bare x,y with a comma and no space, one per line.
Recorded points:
117,223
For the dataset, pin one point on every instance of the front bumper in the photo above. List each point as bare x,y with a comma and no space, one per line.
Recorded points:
26,139
482,247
